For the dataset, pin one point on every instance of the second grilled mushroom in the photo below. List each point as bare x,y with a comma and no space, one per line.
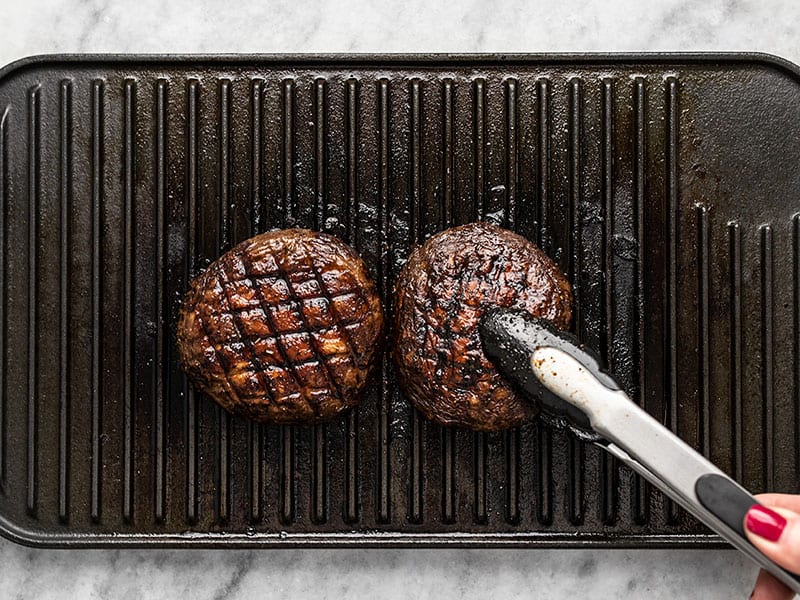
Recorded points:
441,294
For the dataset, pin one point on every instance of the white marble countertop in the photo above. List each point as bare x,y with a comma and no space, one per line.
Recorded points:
175,26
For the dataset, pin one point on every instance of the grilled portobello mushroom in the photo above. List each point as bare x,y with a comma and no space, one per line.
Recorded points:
283,328
441,294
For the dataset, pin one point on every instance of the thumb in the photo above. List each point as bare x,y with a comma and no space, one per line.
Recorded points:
776,533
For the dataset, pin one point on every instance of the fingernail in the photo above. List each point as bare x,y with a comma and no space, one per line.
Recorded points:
764,522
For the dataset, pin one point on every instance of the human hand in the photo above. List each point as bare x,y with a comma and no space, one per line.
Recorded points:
775,530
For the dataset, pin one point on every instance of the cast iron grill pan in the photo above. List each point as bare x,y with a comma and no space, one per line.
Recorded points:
665,187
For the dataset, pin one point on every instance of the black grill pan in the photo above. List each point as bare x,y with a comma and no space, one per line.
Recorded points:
667,188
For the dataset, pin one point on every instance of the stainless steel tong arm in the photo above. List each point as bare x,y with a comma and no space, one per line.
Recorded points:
653,451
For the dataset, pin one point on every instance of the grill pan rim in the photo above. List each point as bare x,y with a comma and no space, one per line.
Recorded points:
442,60
535,540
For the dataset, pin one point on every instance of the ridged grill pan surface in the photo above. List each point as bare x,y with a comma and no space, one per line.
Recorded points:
666,187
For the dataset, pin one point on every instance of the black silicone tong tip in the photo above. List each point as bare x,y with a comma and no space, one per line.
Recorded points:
510,337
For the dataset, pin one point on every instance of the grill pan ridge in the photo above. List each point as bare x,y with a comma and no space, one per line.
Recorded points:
664,186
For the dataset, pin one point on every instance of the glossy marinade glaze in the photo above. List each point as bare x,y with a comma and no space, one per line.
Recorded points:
440,296
283,328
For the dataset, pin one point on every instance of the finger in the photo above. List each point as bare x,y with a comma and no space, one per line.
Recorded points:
776,533
787,501
769,588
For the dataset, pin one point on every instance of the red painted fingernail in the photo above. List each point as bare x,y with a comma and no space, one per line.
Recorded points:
764,522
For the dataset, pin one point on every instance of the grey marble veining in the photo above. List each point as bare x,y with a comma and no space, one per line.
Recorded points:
36,26
388,574
45,26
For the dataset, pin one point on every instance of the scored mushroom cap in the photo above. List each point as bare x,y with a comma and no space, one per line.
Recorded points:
283,328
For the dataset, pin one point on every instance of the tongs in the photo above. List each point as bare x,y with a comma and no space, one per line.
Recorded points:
572,390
